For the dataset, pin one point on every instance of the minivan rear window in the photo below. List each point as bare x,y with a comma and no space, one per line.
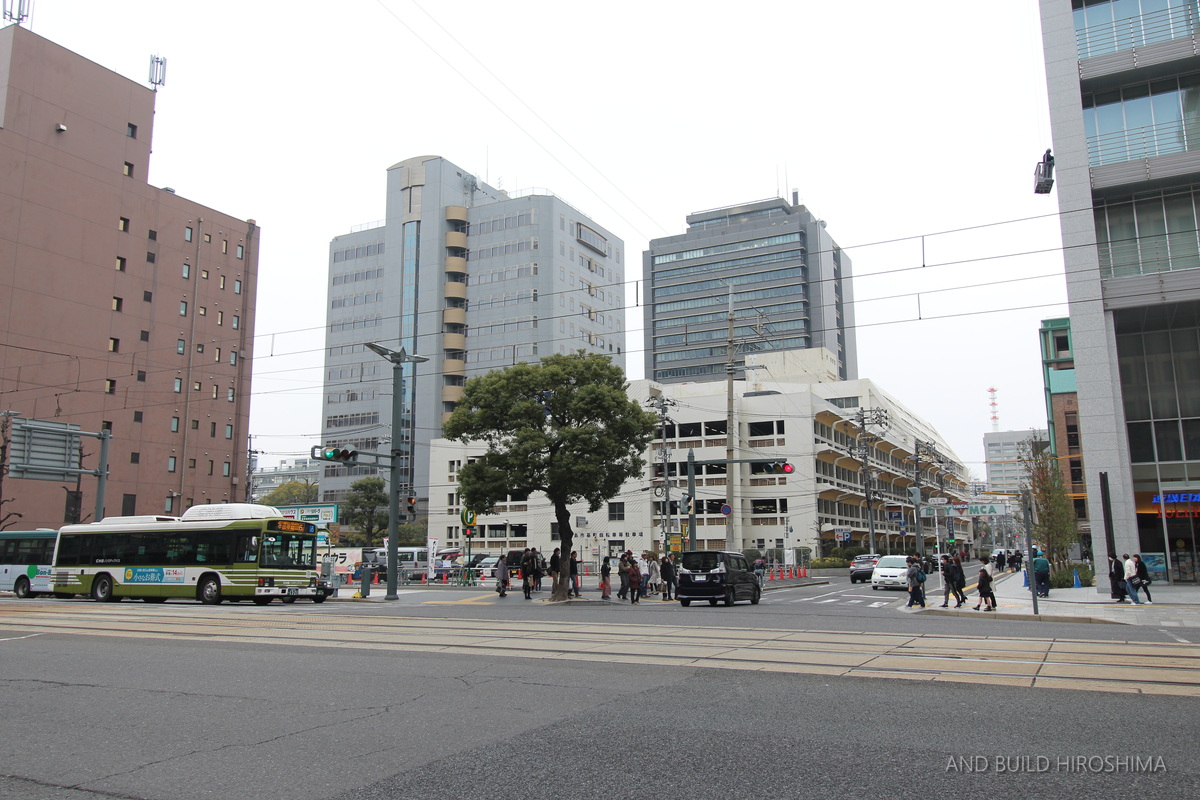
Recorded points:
700,562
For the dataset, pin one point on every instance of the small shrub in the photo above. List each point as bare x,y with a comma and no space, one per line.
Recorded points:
1064,577
829,563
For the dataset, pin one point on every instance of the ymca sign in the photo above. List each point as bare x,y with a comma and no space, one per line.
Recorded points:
966,510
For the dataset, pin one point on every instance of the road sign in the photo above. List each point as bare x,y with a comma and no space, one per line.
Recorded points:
468,518
895,516
726,510
44,450
319,514
938,501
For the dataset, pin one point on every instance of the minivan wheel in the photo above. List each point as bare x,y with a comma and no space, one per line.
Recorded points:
729,596
685,603
757,596
712,602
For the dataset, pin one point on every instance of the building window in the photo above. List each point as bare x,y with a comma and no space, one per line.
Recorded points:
114,345
187,270
128,505
135,458
150,257
147,297
180,346
208,237
183,308
191,463
200,348
195,386
210,466
237,287
106,425
228,431
123,224
225,469
152,235
204,274
237,322
224,245
233,358
229,394
174,424
141,375
110,386
120,263
202,310
170,465
178,385
217,354
131,130
187,233
117,303
212,430
221,283
220,317
137,416
195,424
241,251
215,391
144,336
128,170
616,512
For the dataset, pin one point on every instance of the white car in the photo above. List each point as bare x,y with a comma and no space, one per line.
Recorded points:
890,572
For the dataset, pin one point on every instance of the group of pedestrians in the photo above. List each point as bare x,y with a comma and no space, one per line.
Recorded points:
954,584
639,577
1126,577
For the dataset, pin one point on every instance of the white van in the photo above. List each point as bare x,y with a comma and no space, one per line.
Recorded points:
413,561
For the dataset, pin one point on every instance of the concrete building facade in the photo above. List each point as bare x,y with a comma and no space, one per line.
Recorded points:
1062,417
1123,78
791,410
472,278
123,306
788,280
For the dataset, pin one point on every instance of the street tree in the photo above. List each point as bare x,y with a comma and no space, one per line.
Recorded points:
1054,524
365,508
564,427
292,493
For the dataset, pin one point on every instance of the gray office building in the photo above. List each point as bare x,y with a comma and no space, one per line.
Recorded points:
470,277
1123,80
788,280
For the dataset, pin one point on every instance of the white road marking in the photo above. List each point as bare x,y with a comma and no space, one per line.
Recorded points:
1176,638
15,638
877,605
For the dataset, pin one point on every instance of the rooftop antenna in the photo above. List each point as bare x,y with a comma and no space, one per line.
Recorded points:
16,10
995,409
158,71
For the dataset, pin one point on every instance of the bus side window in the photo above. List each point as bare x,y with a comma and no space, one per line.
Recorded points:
247,548
68,551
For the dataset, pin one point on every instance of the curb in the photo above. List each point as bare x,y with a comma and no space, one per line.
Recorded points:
1008,615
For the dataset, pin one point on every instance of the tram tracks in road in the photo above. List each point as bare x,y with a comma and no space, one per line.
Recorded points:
1152,668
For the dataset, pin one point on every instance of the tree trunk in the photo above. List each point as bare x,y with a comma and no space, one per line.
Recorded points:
566,536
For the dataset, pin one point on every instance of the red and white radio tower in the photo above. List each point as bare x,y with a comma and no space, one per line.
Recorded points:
995,409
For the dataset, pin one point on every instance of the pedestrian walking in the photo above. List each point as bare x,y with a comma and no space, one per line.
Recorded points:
529,571
635,583
949,582
1116,578
502,576
960,582
606,578
653,576
1041,573
623,575
1143,578
915,578
1000,561
1129,571
573,574
987,597
667,571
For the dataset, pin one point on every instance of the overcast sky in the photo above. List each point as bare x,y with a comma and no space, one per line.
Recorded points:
911,128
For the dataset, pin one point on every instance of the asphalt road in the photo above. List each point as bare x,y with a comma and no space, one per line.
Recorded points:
230,705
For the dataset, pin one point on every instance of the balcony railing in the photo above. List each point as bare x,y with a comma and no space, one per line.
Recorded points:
1177,136
1125,34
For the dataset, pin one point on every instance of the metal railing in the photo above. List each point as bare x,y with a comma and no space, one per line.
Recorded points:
1176,136
1125,34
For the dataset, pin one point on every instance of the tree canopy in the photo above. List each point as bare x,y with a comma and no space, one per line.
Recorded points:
1054,522
564,427
292,493
365,507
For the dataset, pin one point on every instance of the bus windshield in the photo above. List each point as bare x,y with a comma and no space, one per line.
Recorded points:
288,550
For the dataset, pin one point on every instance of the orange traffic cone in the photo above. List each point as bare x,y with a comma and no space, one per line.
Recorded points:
770,574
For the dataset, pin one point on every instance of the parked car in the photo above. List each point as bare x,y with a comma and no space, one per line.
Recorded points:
890,572
714,575
486,568
862,567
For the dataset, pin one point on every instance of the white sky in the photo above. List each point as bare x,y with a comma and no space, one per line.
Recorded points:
894,121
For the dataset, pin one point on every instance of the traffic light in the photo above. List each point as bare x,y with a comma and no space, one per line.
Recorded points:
412,507
772,468
687,505
334,453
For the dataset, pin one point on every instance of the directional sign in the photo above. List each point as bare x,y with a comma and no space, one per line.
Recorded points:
468,518
44,450
320,514
967,510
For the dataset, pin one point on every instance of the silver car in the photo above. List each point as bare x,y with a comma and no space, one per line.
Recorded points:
890,572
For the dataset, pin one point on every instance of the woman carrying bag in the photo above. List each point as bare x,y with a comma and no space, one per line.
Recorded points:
1143,575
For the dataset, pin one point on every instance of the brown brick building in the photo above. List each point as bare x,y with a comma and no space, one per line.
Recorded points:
122,305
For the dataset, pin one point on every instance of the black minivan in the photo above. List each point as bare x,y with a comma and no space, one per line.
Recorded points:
714,575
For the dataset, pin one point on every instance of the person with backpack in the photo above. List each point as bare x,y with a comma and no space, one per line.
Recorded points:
915,579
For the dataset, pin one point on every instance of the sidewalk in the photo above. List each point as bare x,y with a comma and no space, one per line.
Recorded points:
1174,606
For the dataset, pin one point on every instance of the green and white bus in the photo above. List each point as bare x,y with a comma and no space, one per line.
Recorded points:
229,551
25,558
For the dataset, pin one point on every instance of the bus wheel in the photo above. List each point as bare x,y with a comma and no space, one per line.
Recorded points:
261,601
209,590
21,588
102,588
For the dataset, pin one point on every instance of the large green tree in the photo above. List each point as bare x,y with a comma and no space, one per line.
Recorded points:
564,427
1055,525
292,493
365,508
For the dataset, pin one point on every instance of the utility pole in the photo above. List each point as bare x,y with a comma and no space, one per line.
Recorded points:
660,404
730,429
865,419
927,452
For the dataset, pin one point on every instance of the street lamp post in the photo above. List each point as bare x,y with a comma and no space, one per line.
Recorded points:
398,359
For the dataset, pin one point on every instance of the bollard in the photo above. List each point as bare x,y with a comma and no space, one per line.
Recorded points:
1025,572
1078,583
365,589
